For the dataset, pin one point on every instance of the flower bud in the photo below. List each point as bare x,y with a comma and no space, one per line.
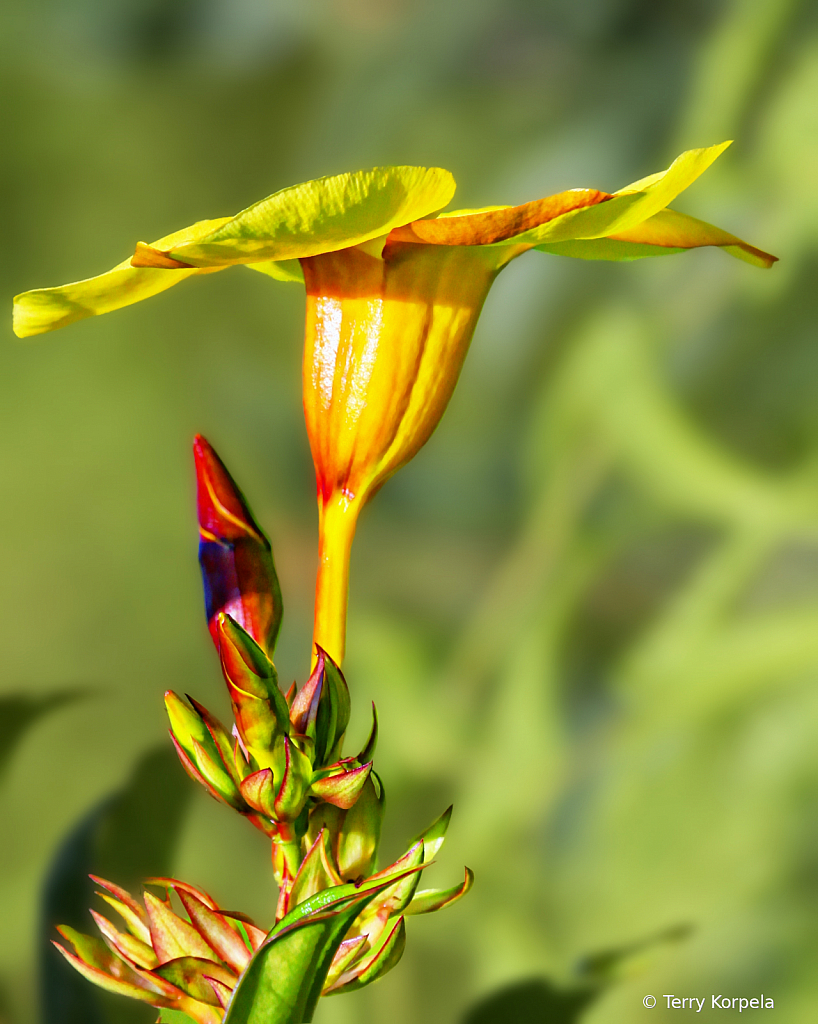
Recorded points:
259,706
204,750
320,711
237,562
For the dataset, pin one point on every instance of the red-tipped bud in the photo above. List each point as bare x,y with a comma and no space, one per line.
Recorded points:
258,790
317,872
237,563
360,832
259,706
320,711
204,749
295,780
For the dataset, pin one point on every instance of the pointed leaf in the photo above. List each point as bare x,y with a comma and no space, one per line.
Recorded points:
316,872
111,984
343,789
190,974
348,952
175,883
393,899
259,791
329,899
369,748
123,896
224,993
336,696
104,968
380,961
284,980
199,751
218,733
171,937
289,801
128,909
126,946
217,777
214,929
428,900
435,834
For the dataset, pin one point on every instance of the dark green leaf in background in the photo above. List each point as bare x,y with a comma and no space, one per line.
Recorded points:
129,836
537,1001
19,712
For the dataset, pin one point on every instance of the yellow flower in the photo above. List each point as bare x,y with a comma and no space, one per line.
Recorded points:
394,289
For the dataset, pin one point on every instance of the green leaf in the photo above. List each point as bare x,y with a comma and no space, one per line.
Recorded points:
434,835
18,712
531,1002
386,955
284,980
190,974
342,789
329,899
429,900
167,1016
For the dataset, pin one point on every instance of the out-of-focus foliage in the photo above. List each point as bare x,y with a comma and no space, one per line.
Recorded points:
588,611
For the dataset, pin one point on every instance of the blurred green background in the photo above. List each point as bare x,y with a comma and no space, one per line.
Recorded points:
587,611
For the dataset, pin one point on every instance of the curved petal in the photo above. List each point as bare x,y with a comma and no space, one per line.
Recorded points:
577,213
628,207
46,309
317,216
497,224
664,233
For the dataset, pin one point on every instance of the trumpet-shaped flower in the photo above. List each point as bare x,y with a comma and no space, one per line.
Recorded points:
394,289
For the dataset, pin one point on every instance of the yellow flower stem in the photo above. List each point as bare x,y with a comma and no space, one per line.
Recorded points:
338,517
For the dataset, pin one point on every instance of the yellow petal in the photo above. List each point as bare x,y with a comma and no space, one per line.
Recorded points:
322,216
664,233
282,270
628,207
45,309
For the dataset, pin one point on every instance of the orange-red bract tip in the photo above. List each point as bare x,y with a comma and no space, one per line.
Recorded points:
223,511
